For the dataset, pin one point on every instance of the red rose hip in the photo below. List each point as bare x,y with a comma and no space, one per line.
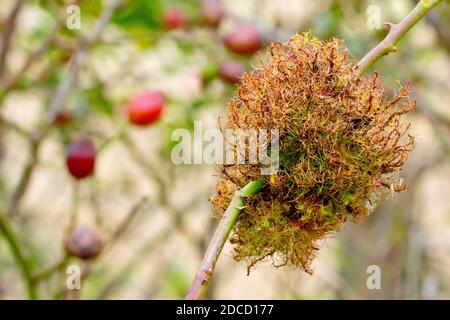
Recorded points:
146,108
80,158
244,39
212,12
231,71
174,18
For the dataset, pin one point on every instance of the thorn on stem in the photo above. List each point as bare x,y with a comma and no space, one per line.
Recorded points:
390,25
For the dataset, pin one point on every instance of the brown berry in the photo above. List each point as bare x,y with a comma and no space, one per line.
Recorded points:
212,12
63,118
231,71
84,243
244,39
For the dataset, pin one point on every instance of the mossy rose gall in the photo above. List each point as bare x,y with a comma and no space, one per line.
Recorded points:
341,147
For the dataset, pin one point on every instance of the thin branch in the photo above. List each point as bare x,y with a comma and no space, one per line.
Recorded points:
396,32
152,172
7,33
126,222
47,273
78,60
219,238
22,262
11,82
57,102
438,20
140,254
14,127
179,220
25,177
73,217
113,238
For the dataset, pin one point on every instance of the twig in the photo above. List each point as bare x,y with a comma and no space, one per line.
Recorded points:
7,34
114,237
57,102
179,221
78,60
396,32
73,215
148,168
25,177
15,127
11,83
219,238
45,274
140,254
123,226
438,20
16,249
126,222
231,215
203,245
96,207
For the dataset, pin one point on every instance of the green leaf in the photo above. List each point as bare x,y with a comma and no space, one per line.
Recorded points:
141,14
94,98
91,8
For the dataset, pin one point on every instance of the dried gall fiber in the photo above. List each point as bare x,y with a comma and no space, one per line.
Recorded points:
341,147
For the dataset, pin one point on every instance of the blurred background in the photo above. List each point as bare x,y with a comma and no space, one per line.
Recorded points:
68,71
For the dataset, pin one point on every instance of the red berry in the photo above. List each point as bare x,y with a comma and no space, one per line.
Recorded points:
146,108
231,71
244,39
84,243
66,56
80,158
212,12
63,118
174,18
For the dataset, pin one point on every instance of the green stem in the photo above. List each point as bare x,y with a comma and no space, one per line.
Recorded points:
219,238
16,250
396,32
47,273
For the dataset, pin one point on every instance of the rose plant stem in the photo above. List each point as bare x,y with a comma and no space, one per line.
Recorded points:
219,238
